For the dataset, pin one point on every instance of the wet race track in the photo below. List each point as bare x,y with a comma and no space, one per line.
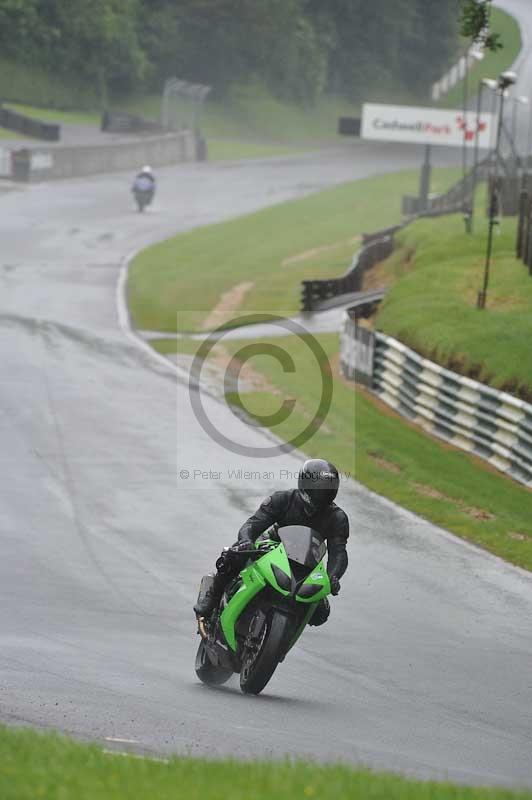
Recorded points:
424,665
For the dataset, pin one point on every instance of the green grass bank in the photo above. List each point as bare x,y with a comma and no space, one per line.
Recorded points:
34,765
436,272
263,256
434,276
374,444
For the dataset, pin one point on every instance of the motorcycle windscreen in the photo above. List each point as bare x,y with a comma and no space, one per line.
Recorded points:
303,545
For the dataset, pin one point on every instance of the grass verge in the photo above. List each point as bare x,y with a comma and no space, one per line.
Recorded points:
380,449
435,275
53,115
263,257
251,113
437,271
34,765
493,63
5,134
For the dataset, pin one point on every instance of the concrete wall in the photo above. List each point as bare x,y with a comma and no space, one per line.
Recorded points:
69,162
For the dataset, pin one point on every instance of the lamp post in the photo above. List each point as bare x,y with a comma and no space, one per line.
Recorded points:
523,101
485,83
529,140
505,80
478,56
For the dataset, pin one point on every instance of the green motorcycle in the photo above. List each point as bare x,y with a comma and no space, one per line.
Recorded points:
264,610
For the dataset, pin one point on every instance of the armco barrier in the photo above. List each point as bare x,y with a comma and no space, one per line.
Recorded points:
317,294
28,126
122,122
68,162
490,424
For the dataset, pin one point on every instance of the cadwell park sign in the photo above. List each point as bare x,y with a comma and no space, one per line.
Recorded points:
428,126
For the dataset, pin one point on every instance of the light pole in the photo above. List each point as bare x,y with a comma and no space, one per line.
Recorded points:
478,56
523,101
491,84
529,140
505,80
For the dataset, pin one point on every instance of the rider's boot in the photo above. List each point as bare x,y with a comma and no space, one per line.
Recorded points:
321,614
210,594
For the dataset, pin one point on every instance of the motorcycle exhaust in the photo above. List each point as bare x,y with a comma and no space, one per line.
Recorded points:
201,628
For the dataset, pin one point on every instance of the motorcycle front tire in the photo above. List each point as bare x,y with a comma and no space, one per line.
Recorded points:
255,675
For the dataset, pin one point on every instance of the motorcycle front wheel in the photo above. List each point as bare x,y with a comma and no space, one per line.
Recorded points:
207,672
259,664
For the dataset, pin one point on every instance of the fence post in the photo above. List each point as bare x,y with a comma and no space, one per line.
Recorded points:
307,297
527,258
521,224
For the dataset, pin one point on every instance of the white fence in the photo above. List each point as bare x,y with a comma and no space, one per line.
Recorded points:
5,162
456,73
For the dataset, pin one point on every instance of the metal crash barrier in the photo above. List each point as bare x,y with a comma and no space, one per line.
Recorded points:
490,424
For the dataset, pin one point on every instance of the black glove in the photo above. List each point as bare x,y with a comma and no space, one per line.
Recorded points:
335,584
244,544
230,555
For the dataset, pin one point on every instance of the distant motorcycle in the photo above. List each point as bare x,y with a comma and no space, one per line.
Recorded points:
143,191
264,610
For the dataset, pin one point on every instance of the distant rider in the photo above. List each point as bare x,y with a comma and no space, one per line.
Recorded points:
311,504
144,180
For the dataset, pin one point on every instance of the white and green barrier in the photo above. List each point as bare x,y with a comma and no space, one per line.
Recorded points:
490,424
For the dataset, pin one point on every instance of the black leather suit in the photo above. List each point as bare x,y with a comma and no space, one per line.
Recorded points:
287,508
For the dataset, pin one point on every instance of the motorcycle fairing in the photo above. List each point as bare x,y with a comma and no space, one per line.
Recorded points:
261,573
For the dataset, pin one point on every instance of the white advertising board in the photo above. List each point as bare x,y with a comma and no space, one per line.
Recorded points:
41,160
425,125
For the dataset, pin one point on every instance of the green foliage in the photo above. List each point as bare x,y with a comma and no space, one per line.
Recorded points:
43,88
368,42
507,28
475,24
97,42
297,48
315,237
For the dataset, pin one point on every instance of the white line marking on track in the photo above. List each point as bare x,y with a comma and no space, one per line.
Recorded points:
124,320
134,755
124,741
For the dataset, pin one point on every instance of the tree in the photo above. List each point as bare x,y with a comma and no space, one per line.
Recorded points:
95,41
298,48
475,24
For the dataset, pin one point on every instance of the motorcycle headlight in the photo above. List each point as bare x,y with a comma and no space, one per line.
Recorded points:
282,578
309,590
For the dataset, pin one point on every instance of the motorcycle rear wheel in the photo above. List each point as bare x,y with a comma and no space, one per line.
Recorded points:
257,670
207,672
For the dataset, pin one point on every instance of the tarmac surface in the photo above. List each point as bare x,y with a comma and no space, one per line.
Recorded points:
115,501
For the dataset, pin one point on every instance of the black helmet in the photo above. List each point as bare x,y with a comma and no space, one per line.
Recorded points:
318,484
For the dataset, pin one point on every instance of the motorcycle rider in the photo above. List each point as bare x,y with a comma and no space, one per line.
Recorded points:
311,504
144,180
